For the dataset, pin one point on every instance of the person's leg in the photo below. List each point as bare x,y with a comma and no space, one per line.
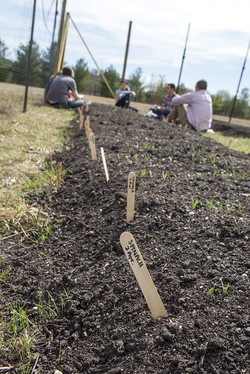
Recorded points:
153,112
73,104
178,113
173,115
127,100
133,108
165,112
182,114
121,102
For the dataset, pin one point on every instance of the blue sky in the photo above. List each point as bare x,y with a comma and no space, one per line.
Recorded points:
216,49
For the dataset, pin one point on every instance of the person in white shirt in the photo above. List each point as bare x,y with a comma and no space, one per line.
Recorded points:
198,107
123,96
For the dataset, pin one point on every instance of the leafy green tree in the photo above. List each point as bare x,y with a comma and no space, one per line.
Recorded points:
160,91
82,75
183,89
222,103
3,49
47,58
218,103
19,69
5,63
241,108
113,79
136,84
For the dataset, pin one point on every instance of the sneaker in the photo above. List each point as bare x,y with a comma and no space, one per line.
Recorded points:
149,114
211,131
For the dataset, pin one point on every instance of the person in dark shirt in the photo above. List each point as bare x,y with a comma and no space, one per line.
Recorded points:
59,88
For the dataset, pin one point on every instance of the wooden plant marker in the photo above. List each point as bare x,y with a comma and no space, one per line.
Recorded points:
142,275
104,164
80,118
92,145
87,126
131,197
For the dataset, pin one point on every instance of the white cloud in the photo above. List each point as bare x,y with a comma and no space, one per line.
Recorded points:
216,48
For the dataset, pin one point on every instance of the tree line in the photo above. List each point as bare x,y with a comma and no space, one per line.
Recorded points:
90,81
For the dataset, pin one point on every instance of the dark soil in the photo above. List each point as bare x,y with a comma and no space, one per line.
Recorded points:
192,229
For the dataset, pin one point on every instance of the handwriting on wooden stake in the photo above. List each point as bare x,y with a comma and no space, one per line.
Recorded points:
142,275
104,164
92,145
131,197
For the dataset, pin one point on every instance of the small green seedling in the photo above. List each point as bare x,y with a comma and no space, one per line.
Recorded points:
136,156
223,175
230,208
210,204
225,287
194,203
164,175
211,290
240,208
213,158
4,274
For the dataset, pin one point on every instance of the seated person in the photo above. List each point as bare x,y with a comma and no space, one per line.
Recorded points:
163,110
123,96
58,93
198,110
48,85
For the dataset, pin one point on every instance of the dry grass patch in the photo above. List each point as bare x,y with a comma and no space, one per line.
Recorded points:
27,143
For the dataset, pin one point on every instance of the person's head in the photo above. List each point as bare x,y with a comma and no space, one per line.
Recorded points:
170,88
68,71
201,85
123,84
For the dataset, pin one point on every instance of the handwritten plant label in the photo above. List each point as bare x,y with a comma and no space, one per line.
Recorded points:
92,145
104,164
142,275
131,197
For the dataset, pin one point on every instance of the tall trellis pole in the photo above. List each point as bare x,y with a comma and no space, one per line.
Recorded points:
183,58
241,74
27,81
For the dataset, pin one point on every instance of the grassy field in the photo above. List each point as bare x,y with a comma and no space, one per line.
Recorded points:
27,143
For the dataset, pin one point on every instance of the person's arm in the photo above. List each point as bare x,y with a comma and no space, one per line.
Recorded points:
183,99
125,92
76,95
73,88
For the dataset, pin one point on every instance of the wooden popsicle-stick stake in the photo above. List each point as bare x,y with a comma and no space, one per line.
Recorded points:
80,118
92,145
104,164
87,126
142,275
131,197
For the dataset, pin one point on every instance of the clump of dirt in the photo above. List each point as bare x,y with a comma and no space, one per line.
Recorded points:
191,224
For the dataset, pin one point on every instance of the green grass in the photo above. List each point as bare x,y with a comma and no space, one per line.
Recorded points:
236,143
27,144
